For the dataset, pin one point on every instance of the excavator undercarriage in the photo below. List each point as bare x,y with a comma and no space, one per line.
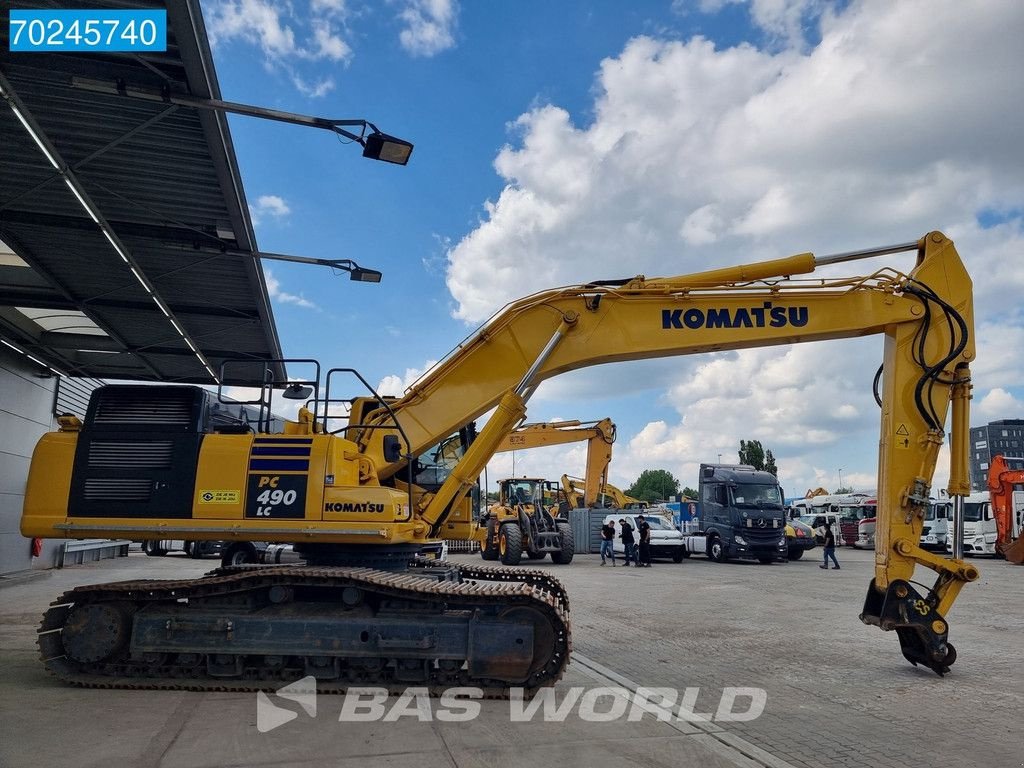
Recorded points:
257,627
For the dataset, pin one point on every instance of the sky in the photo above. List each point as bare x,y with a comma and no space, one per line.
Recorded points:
557,144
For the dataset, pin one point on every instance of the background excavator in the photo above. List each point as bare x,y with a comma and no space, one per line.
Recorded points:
600,436
1009,522
530,517
358,501
607,495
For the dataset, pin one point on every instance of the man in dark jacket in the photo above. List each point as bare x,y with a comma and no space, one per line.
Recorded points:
830,547
644,529
608,541
626,534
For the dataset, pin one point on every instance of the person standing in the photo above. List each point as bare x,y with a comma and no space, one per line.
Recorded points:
626,534
608,541
644,529
830,547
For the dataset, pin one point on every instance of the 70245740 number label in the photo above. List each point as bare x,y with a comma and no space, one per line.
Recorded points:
87,31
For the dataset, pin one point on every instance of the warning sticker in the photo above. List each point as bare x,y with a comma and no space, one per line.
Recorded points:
902,436
902,430
219,497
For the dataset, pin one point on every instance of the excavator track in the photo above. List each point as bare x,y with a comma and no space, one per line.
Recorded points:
257,628
535,577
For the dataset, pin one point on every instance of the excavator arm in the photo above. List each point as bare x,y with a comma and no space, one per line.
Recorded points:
599,436
606,492
926,318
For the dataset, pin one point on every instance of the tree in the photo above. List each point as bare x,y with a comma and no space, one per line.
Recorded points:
689,493
654,485
754,454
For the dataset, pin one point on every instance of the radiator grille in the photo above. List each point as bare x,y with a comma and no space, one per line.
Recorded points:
130,454
117,489
129,406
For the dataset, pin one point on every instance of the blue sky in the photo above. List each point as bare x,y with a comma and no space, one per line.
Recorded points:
559,143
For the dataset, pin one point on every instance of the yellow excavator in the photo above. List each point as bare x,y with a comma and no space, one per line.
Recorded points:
600,435
607,495
530,517
358,500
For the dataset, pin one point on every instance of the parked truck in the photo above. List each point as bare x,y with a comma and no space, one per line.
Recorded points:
979,526
741,515
935,531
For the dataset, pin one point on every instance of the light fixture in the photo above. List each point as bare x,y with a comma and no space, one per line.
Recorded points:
376,145
356,272
380,146
363,275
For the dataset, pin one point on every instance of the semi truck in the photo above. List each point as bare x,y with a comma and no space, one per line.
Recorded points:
979,526
935,532
741,515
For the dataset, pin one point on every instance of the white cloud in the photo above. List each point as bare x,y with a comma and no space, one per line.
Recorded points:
337,8
998,404
330,45
288,35
257,22
698,157
283,297
429,26
273,206
395,385
315,89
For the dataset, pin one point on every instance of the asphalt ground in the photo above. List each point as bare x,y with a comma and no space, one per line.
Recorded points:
781,642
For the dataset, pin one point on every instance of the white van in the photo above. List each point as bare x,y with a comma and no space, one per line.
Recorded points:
979,526
666,541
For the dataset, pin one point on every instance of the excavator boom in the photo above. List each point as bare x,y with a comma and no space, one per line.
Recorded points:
600,435
926,319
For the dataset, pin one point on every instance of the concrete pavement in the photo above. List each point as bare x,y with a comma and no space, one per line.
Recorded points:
837,692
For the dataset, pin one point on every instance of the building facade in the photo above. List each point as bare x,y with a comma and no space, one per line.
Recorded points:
1005,437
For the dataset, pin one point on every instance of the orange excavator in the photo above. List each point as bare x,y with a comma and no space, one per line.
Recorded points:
1009,521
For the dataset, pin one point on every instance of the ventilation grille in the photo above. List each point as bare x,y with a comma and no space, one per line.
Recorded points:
130,454
117,489
136,406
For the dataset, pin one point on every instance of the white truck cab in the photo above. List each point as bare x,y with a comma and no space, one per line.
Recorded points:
979,526
935,532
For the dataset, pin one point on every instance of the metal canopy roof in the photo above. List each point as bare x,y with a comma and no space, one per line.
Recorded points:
129,252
